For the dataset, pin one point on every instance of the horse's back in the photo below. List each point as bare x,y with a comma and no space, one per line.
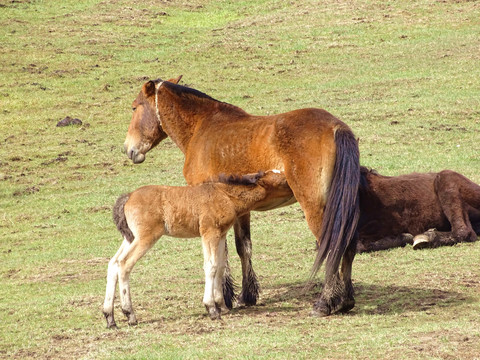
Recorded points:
249,143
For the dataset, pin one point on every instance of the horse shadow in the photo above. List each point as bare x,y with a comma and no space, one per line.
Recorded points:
371,299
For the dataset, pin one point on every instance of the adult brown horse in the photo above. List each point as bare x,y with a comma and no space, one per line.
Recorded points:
317,152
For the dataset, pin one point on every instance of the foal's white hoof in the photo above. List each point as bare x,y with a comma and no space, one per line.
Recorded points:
420,242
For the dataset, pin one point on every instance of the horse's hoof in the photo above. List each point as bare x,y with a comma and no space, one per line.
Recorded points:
347,305
320,309
110,321
246,300
421,242
214,313
132,320
408,238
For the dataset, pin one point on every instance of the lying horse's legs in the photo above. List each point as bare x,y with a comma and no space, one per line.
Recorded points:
455,192
126,261
250,286
458,197
112,279
385,243
214,266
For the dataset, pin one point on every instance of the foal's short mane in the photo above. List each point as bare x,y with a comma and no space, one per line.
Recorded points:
249,180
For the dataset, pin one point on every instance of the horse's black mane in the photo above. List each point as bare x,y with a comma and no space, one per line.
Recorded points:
185,90
181,90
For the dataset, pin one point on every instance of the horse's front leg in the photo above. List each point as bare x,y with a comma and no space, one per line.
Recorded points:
250,286
227,283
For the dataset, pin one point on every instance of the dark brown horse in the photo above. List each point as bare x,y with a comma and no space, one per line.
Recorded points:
426,210
317,152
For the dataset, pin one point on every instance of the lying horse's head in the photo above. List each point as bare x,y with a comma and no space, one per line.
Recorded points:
145,131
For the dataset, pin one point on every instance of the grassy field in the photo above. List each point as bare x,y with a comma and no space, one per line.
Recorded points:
404,75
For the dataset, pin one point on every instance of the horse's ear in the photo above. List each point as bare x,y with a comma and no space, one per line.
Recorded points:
176,81
149,88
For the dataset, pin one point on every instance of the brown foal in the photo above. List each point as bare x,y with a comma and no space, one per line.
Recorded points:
208,210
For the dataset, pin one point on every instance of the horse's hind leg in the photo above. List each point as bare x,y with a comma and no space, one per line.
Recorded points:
250,286
112,279
126,261
348,302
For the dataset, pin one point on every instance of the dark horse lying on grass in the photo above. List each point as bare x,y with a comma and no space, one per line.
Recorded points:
426,210
317,152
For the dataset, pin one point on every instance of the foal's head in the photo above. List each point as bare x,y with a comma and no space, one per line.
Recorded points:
145,130
273,181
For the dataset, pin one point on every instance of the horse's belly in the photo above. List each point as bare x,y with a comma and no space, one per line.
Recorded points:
270,204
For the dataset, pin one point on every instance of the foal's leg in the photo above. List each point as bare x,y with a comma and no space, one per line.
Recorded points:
218,291
112,279
126,261
213,264
250,286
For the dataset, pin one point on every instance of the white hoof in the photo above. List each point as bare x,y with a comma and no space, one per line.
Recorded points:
420,242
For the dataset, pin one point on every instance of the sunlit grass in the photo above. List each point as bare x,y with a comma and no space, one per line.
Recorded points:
403,75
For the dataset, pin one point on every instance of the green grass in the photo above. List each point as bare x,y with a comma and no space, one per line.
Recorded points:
405,77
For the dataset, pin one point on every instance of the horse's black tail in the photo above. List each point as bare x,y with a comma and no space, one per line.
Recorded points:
342,210
119,217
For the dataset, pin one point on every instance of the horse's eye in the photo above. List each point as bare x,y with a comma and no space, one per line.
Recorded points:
134,108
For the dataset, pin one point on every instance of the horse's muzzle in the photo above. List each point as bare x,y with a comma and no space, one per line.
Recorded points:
134,155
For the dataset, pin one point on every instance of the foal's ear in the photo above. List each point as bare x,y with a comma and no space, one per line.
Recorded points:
176,81
149,88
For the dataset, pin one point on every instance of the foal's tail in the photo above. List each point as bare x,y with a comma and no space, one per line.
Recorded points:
119,217
342,210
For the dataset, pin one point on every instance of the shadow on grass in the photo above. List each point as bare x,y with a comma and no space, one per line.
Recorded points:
374,299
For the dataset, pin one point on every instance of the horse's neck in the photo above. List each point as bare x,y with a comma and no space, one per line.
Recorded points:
176,123
179,117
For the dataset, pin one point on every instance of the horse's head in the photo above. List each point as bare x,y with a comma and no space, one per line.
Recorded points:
145,130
